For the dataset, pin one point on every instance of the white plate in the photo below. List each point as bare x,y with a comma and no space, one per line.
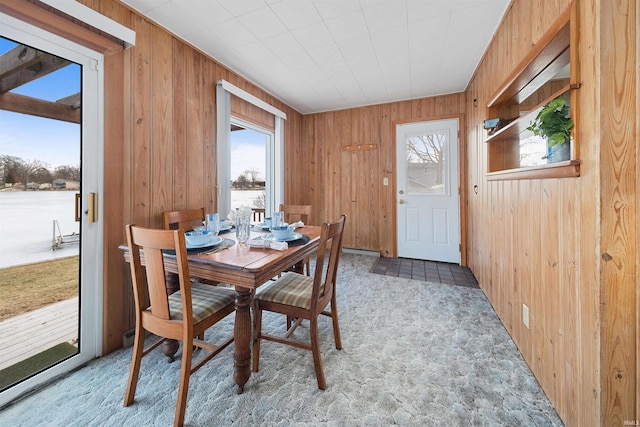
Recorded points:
214,240
294,236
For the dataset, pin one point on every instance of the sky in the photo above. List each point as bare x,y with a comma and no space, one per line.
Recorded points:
31,138
57,143
248,151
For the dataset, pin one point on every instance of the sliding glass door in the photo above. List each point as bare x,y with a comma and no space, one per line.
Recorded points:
50,180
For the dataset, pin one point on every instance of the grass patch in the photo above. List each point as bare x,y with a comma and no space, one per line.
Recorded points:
28,287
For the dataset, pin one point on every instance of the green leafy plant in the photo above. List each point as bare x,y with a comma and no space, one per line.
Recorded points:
553,122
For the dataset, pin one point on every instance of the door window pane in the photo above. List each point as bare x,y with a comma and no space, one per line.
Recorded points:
426,155
249,168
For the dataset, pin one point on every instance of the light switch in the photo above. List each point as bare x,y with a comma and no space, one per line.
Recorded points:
385,181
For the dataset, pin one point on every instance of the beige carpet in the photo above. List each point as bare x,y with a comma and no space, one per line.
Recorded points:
415,354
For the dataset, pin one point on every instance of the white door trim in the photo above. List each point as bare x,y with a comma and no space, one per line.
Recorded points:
429,207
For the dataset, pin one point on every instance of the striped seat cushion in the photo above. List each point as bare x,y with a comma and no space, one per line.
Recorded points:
205,301
292,289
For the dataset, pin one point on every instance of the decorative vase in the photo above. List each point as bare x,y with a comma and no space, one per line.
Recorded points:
243,229
559,153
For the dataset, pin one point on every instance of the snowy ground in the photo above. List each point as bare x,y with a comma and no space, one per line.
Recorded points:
26,223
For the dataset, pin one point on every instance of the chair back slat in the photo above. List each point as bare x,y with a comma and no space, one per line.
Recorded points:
324,278
186,219
295,213
151,278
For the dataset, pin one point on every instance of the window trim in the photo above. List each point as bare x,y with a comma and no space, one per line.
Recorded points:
224,90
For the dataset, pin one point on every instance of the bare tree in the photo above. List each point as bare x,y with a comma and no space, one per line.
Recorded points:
260,201
41,175
68,172
10,167
31,170
252,174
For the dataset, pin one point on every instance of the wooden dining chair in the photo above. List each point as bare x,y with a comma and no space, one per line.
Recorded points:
182,315
185,219
295,213
301,297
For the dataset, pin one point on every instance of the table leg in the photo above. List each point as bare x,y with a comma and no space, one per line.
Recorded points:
170,347
242,338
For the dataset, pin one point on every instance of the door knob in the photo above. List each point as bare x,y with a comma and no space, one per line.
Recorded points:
402,202
401,192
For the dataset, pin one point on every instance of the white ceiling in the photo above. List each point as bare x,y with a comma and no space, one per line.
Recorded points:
323,55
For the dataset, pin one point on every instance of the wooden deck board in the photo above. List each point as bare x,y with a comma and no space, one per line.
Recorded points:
30,333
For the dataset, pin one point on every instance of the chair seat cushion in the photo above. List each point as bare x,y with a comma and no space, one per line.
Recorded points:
205,300
292,289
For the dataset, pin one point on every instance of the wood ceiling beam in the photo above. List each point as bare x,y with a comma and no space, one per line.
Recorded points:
37,107
73,101
18,58
32,70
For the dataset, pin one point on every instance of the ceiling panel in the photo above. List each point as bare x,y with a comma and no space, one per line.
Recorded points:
322,55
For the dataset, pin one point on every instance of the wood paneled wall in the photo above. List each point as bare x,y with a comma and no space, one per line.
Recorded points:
160,142
351,182
567,248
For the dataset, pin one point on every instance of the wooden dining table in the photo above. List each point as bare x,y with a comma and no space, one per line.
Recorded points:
246,268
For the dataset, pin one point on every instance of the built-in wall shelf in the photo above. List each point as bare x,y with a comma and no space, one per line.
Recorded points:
544,74
519,125
568,169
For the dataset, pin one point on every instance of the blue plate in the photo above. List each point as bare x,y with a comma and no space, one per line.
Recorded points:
215,240
294,236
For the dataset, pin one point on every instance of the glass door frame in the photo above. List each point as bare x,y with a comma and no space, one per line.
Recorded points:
92,170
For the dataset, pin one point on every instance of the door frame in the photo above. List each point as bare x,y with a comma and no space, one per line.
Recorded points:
92,169
462,179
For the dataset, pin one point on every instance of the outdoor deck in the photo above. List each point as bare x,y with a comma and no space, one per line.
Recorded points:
31,333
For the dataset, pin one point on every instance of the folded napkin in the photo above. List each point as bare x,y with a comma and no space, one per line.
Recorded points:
268,244
296,225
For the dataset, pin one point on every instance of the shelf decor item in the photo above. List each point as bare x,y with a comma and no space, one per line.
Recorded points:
554,123
494,125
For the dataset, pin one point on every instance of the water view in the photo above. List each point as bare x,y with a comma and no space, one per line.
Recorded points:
27,223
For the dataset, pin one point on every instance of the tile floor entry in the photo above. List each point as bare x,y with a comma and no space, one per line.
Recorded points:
429,271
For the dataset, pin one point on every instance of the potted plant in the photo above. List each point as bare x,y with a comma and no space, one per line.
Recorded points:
554,123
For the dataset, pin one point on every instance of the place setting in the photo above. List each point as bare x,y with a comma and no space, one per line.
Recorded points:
205,239
281,235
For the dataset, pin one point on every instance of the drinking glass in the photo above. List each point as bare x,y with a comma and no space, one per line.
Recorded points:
243,229
213,223
276,219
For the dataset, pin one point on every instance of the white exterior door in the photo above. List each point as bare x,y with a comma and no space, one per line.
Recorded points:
428,201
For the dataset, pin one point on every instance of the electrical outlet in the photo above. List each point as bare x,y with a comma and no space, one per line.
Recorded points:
525,315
